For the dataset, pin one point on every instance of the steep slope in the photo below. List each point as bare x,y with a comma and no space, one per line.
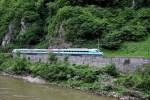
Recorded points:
27,18
69,23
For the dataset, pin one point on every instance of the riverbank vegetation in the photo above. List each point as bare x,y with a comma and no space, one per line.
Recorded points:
117,24
101,81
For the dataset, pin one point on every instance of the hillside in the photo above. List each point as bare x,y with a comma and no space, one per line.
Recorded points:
121,26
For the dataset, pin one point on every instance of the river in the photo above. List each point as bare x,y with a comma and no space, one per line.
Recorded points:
17,89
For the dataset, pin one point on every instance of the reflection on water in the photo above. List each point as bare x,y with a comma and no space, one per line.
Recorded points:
15,89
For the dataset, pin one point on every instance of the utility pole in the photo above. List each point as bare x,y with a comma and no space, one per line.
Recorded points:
98,45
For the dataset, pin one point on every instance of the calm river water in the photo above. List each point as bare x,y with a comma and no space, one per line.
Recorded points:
17,89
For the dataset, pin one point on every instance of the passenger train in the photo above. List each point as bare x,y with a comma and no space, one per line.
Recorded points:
71,51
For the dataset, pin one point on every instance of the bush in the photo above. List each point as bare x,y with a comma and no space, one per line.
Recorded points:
12,11
112,70
129,82
54,72
144,85
139,80
54,6
4,57
143,13
30,16
15,66
103,3
52,57
111,41
20,66
100,12
131,32
88,28
62,15
86,75
82,76
128,13
76,22
43,44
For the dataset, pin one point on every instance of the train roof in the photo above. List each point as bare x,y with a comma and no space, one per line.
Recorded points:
76,49
53,50
73,49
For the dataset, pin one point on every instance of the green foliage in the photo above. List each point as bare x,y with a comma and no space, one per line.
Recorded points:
54,6
111,41
65,72
66,58
130,82
129,49
100,12
20,66
53,72
52,57
15,66
33,34
42,45
30,12
18,54
77,23
145,83
139,80
62,15
103,3
83,76
30,16
112,70
112,26
4,57
112,21
143,13
85,26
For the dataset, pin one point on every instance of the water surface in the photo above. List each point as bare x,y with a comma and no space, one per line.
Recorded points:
17,89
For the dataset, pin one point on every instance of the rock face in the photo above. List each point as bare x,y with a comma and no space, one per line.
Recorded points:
23,26
133,4
7,37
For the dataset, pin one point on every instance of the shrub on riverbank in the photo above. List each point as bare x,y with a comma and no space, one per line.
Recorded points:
3,57
16,66
138,80
81,76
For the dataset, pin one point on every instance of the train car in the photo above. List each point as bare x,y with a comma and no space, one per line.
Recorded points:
68,52
72,51
30,51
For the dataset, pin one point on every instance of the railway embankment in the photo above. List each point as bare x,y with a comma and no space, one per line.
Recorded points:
124,64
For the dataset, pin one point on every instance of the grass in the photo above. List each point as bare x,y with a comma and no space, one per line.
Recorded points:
128,49
132,49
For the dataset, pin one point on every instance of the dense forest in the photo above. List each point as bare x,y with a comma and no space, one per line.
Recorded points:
40,23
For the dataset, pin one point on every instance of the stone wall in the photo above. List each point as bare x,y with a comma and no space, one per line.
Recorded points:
125,64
